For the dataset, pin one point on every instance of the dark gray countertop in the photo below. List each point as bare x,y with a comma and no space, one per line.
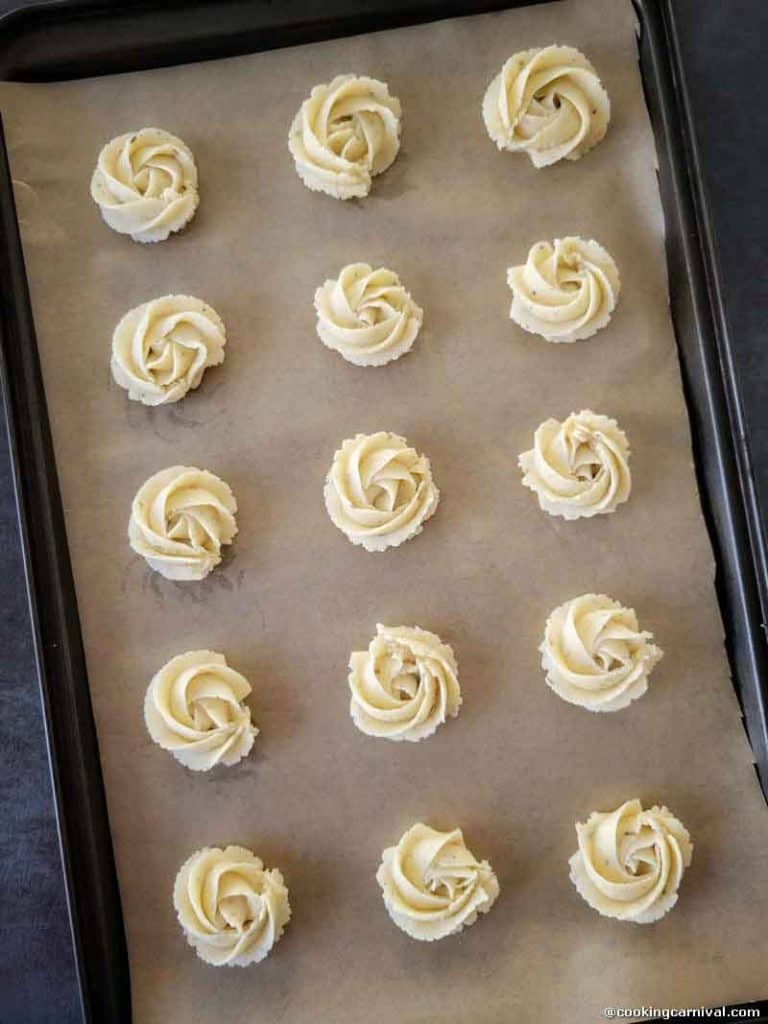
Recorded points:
727,73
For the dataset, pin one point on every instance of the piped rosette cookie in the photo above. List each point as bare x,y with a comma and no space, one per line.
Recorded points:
547,102
630,862
433,885
564,291
181,518
231,908
367,315
405,685
162,348
195,708
578,468
145,184
379,491
345,133
595,655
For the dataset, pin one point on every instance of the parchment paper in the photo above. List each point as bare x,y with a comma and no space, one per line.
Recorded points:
518,766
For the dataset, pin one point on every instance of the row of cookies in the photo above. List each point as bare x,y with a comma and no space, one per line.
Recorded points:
547,102
379,491
405,685
233,910
564,292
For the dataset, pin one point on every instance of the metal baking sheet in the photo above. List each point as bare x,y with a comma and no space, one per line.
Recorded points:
506,354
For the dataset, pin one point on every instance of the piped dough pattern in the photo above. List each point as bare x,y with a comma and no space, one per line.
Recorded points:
195,708
181,518
405,685
595,655
549,103
345,133
231,908
630,862
579,467
433,885
564,291
145,184
162,348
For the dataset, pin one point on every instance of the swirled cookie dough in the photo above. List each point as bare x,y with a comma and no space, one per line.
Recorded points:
379,491
145,184
232,910
580,467
405,685
161,349
566,291
595,654
630,862
548,103
180,519
433,886
195,708
344,134
367,315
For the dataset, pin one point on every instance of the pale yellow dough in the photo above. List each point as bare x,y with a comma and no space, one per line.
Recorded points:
344,134
433,886
145,184
195,708
162,348
232,910
630,862
580,467
595,654
379,491
548,103
366,315
566,291
405,685
180,519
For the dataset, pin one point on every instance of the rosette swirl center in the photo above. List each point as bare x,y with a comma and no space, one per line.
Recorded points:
405,685
195,708
630,862
145,184
180,520
379,491
432,884
231,909
580,467
548,103
345,133
595,654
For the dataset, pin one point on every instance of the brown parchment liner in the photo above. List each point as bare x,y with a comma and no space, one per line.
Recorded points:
518,766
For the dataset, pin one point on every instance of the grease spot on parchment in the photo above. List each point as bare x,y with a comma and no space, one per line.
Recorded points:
223,578
35,223
196,410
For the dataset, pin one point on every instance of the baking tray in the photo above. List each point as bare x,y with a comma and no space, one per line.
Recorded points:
65,39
